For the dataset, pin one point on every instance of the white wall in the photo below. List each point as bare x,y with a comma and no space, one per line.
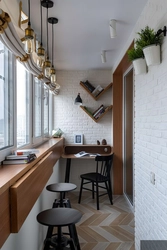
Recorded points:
151,137
71,118
32,234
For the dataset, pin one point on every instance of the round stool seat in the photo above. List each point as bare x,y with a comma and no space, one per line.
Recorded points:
61,187
59,217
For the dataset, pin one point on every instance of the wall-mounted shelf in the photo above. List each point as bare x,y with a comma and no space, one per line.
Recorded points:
91,116
100,94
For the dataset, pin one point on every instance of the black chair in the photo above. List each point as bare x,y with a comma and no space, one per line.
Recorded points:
62,189
59,218
101,175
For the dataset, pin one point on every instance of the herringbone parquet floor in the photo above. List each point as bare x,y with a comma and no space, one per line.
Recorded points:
110,228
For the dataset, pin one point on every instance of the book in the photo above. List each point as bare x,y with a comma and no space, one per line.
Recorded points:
18,159
98,110
99,113
83,153
26,151
89,86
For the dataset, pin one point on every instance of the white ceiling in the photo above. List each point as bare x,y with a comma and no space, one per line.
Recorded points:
83,30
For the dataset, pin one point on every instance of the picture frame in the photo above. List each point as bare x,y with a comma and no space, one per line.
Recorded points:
78,138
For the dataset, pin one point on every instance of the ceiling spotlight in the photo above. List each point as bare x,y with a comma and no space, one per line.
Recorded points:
113,32
103,56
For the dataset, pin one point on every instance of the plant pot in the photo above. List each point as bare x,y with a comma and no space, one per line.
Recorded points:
140,66
152,54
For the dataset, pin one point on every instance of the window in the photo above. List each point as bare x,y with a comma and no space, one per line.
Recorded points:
46,110
37,107
23,105
6,98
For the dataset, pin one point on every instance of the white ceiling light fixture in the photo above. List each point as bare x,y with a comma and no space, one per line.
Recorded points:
113,32
103,56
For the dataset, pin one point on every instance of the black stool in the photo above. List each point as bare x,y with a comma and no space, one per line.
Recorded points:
60,217
62,188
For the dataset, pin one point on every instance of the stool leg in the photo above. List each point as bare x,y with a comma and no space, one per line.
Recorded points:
48,237
74,235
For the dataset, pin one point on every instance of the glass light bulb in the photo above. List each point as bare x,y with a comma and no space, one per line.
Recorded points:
29,46
40,62
53,78
47,72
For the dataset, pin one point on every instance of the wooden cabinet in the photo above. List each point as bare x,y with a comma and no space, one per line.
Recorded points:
106,109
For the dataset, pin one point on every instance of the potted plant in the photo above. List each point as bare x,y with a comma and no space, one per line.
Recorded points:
150,43
136,56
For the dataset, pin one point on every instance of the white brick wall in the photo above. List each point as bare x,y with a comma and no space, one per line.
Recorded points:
151,137
71,118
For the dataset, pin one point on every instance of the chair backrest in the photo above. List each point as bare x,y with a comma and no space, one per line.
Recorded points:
104,164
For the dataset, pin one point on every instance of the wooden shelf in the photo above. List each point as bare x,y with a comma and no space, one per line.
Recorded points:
91,116
98,96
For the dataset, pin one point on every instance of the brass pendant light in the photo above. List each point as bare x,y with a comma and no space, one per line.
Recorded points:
53,21
29,34
47,63
41,50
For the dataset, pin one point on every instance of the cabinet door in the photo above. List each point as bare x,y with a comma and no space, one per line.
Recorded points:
4,217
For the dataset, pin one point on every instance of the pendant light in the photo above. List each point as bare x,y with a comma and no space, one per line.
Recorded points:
53,21
41,50
78,100
29,34
47,63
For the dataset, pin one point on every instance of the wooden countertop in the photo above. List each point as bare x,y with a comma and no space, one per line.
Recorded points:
9,174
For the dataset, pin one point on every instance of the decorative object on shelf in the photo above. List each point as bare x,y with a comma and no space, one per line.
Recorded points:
57,133
78,100
29,34
98,142
78,138
104,142
136,56
103,56
113,32
150,43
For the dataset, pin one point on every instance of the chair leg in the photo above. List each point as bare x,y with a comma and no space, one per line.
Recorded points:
93,191
109,191
97,195
80,193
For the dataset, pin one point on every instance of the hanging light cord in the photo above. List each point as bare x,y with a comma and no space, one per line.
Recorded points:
41,24
29,23
47,33
52,44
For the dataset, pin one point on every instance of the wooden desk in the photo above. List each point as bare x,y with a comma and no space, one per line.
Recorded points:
70,150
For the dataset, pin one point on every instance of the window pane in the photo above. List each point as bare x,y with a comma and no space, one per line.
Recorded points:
22,105
46,110
6,97
38,105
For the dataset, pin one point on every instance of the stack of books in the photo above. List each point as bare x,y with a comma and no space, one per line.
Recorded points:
19,159
89,86
98,112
